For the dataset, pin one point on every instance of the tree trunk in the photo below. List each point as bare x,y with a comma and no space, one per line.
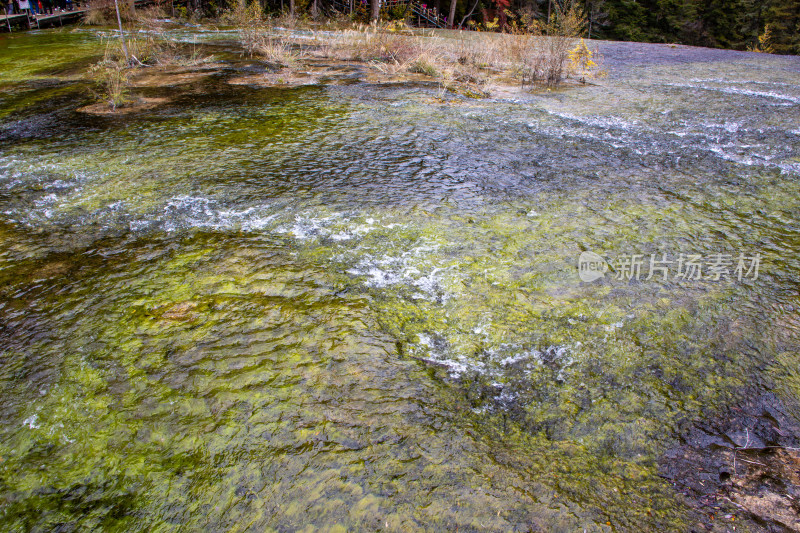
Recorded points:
468,15
451,19
590,9
291,8
549,9
121,34
376,10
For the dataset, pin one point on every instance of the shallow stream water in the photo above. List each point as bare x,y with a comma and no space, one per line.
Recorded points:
354,307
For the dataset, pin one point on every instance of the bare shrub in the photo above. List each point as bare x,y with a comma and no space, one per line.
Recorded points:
285,20
112,82
536,52
103,12
110,77
150,46
249,21
545,51
151,16
255,33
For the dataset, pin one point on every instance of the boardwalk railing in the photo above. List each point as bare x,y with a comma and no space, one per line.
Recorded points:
29,21
415,10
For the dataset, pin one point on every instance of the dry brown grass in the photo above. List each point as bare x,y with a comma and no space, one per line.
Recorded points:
463,66
110,77
539,57
248,19
96,16
286,20
257,35
152,16
276,52
544,51
468,63
103,12
148,46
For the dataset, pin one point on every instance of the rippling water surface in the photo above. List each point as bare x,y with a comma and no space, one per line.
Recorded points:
355,307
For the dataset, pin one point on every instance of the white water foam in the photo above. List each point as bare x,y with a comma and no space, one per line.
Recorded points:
598,121
408,268
787,99
193,211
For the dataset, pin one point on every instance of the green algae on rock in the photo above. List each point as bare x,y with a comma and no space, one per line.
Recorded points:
341,307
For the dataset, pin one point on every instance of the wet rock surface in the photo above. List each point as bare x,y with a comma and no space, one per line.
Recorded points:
745,463
135,106
351,306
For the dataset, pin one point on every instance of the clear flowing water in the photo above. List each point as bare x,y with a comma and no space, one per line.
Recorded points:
352,307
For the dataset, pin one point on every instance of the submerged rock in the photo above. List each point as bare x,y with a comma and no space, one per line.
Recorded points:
141,104
745,461
180,311
276,79
169,78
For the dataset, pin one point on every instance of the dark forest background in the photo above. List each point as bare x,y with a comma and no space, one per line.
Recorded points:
717,23
735,24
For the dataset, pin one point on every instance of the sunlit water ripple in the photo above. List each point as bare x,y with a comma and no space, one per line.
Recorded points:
353,306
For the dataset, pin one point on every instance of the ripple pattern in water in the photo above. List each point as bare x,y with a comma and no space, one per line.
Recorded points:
351,307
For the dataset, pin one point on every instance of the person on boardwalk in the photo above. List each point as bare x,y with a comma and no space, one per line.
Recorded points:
27,5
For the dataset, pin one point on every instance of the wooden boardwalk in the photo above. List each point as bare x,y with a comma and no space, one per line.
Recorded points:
59,19
9,21
29,22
